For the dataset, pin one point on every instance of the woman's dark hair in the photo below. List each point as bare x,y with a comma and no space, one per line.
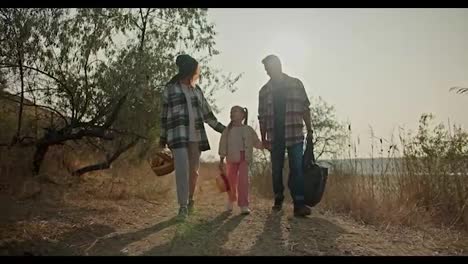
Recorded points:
187,68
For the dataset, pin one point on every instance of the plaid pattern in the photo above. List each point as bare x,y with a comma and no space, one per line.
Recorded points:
297,103
175,118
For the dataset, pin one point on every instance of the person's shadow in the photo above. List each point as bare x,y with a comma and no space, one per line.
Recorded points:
206,238
114,245
307,236
314,236
270,241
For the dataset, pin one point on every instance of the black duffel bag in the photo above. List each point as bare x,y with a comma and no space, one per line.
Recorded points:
315,176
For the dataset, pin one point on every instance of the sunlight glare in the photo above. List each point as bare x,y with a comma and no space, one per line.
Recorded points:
291,47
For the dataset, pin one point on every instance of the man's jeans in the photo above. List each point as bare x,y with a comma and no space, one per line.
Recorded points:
296,175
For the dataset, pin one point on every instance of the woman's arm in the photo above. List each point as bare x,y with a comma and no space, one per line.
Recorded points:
222,148
163,133
209,117
222,151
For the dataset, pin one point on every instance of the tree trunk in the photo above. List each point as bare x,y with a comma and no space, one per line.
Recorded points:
41,150
144,20
54,137
20,112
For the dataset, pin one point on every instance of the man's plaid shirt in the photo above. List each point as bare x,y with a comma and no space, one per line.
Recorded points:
297,103
175,118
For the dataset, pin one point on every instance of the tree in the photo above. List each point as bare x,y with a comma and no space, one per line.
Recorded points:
160,35
328,131
104,91
22,29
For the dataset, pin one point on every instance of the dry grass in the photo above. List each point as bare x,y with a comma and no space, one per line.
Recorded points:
426,186
402,199
408,200
125,179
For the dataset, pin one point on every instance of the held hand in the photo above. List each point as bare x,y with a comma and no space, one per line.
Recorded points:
221,167
266,145
162,145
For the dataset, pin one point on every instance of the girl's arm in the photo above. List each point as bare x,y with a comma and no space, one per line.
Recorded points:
257,143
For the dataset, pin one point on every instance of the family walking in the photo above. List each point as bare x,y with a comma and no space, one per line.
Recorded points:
282,111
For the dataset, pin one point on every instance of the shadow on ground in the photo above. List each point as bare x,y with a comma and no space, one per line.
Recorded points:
206,238
307,236
69,243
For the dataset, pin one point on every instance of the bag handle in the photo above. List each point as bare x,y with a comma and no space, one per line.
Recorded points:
310,146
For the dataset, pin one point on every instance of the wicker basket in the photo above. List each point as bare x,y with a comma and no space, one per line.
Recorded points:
162,164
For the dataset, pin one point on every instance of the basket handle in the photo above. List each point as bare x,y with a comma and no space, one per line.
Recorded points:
164,156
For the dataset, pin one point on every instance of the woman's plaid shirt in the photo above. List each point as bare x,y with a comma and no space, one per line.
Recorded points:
175,118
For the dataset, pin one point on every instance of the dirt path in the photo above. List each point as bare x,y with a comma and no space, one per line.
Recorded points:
136,227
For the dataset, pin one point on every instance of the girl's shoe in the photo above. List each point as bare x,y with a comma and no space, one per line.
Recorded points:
229,206
245,210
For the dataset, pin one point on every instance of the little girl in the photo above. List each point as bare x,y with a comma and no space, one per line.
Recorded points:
236,145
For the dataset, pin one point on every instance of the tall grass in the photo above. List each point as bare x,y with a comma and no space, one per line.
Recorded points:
423,180
415,180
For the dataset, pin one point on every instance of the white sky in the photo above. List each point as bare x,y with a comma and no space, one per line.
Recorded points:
379,67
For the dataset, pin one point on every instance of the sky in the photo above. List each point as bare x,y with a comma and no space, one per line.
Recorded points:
380,68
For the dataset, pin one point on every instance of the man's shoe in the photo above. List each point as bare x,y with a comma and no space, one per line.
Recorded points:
302,211
278,205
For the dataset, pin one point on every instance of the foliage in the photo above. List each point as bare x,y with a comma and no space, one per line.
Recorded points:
101,71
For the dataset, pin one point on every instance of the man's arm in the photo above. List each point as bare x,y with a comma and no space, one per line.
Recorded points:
261,117
262,131
308,120
306,116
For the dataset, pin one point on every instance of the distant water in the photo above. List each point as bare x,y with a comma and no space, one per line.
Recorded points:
376,166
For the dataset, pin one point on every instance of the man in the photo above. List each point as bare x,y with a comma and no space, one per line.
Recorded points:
283,106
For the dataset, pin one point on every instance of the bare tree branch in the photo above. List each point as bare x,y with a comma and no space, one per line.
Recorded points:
40,106
90,142
128,133
31,91
106,164
34,69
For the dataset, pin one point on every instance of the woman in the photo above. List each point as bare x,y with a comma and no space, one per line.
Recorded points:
184,111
